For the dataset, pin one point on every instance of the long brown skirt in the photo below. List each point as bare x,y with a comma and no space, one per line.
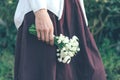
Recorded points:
36,60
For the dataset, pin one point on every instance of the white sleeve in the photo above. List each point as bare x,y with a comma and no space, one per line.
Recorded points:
84,12
37,4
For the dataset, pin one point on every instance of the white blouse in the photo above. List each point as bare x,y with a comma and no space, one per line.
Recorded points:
55,6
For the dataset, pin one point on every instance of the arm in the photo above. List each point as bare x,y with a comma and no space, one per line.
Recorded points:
44,26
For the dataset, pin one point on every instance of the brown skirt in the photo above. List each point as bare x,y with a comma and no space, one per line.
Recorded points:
36,60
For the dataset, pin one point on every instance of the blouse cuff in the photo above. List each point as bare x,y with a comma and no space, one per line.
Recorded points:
38,4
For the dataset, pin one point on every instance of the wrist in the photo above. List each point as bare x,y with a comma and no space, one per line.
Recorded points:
40,11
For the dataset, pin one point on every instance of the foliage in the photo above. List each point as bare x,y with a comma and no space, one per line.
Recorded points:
7,38
104,17
6,66
7,28
111,60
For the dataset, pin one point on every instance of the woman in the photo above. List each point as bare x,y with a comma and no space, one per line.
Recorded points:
35,57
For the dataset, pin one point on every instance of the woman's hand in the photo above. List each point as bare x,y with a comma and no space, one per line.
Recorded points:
44,26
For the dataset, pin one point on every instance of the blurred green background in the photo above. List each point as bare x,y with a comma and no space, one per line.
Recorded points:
104,23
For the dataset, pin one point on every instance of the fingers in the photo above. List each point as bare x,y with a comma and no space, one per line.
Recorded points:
46,35
38,31
51,41
51,38
42,34
38,34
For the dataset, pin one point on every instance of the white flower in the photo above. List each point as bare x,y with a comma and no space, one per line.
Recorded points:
66,40
66,59
58,54
63,54
71,54
63,49
60,59
58,50
75,38
67,48
61,37
59,41
78,49
73,49
76,43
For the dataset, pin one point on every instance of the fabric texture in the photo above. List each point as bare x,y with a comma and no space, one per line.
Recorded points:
25,6
55,6
36,60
